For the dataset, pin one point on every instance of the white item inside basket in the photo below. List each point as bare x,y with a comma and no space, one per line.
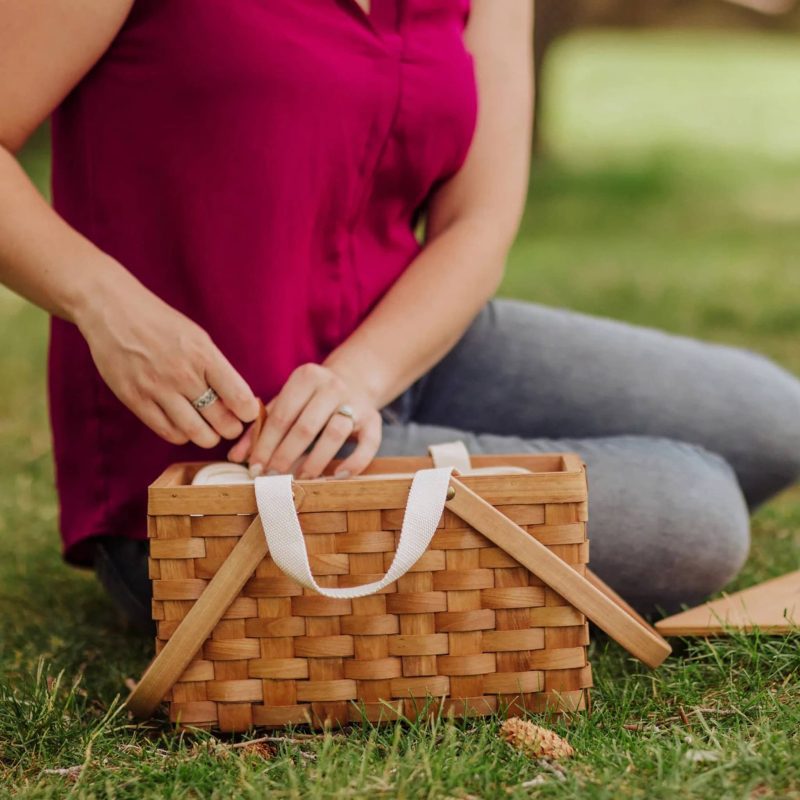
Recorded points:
226,473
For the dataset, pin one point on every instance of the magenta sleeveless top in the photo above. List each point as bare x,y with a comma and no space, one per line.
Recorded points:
260,165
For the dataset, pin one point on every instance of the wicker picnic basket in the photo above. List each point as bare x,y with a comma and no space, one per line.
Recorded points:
489,614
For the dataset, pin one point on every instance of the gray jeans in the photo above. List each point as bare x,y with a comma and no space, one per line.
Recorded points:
681,438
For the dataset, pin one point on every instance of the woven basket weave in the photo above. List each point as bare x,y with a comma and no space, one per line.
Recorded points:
468,625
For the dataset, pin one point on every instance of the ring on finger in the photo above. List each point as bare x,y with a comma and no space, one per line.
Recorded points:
209,397
346,410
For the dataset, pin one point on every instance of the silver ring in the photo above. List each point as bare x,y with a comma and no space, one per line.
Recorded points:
346,411
206,399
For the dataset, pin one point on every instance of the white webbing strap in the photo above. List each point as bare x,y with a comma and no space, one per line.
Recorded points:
287,547
452,453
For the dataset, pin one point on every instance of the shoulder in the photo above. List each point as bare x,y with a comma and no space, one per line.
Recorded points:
46,47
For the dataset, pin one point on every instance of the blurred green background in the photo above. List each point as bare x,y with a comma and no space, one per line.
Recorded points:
669,193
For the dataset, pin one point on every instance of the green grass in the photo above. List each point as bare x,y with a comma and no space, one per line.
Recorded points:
670,197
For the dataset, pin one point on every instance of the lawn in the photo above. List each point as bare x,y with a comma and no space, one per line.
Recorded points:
670,196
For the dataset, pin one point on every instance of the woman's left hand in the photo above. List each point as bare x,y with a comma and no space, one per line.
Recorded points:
304,409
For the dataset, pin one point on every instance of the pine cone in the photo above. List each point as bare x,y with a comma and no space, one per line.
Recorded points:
535,741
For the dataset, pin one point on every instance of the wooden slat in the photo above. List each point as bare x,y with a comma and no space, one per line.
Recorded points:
335,646
333,690
463,580
513,596
420,687
502,641
640,640
514,682
178,548
348,495
180,650
278,668
772,607
422,644
473,620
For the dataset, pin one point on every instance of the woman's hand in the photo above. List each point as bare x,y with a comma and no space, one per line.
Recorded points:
304,409
157,361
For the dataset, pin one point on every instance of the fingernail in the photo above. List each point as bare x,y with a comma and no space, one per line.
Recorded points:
273,472
254,470
342,473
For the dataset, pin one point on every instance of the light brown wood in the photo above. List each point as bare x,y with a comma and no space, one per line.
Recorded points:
278,668
420,687
771,607
376,669
423,644
478,619
331,646
351,495
513,640
603,587
184,644
640,640
512,683
322,691
368,624
513,597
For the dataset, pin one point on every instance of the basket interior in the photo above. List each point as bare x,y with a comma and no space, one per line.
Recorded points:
540,463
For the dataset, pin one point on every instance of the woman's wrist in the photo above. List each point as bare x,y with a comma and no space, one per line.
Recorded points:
109,286
359,370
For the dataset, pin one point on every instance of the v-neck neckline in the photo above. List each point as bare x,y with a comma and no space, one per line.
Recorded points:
382,17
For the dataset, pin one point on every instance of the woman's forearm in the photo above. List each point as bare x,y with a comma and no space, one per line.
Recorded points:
424,313
153,358
44,259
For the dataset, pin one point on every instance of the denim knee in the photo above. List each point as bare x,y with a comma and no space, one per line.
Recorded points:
706,563
766,441
668,524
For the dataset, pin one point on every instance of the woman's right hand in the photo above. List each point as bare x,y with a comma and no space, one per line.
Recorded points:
156,361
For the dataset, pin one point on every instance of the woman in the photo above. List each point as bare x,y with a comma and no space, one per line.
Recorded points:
237,187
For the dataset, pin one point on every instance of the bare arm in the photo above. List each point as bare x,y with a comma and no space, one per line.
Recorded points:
46,47
472,222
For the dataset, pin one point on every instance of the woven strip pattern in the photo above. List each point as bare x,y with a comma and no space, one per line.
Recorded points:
467,625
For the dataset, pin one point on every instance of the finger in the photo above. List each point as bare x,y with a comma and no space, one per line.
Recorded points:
184,417
155,419
338,430
232,388
284,410
315,419
242,451
239,451
369,440
220,418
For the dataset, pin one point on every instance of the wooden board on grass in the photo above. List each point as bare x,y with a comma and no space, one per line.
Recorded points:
773,607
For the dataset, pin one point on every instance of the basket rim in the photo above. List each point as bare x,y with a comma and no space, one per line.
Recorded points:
171,493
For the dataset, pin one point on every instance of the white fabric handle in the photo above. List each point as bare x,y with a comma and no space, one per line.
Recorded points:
287,545
454,452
